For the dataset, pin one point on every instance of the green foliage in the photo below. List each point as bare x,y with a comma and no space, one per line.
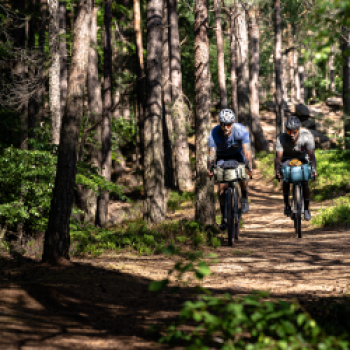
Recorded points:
175,199
135,236
226,322
27,182
337,214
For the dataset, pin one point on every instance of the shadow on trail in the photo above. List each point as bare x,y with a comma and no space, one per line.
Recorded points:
89,307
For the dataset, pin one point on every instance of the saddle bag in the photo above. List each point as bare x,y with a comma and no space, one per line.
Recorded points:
296,173
229,175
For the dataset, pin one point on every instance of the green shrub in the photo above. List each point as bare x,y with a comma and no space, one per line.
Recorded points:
175,199
339,214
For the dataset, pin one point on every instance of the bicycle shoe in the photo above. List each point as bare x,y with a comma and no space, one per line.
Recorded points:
244,205
287,210
223,225
307,215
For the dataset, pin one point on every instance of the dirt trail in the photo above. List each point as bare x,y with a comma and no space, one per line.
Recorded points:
104,303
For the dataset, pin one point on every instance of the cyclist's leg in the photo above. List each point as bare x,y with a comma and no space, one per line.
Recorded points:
244,199
286,189
221,194
306,194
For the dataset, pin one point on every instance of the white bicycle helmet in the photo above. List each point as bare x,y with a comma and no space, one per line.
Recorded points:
226,116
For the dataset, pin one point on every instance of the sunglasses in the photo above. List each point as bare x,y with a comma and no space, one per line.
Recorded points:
292,132
226,124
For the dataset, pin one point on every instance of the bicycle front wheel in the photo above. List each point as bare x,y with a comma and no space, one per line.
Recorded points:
235,212
297,209
230,217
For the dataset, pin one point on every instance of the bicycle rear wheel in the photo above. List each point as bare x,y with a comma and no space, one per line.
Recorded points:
230,217
297,210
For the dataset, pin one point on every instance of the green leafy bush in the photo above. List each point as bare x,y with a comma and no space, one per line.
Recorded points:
175,199
26,185
339,214
233,323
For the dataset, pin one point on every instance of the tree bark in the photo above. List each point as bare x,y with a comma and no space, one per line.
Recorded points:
63,55
260,142
332,70
183,167
346,85
220,55
296,69
301,72
244,116
234,102
154,203
205,200
42,34
57,237
278,68
54,73
106,158
168,127
291,62
95,109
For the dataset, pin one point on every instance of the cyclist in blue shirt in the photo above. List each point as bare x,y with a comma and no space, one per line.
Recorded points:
229,141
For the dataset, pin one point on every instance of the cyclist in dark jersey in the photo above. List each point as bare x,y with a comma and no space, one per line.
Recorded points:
229,141
300,144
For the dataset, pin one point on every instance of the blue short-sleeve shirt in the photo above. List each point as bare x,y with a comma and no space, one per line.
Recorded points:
229,147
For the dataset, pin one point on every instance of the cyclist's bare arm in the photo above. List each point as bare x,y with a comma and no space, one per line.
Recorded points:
211,158
278,160
312,158
247,150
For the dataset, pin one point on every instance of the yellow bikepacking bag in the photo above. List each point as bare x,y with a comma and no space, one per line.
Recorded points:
228,175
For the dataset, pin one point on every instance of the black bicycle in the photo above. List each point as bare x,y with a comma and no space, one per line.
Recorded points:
232,207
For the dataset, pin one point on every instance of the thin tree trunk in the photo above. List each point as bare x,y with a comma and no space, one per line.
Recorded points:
291,62
285,77
205,200
63,55
95,109
57,237
183,166
234,102
346,85
242,59
220,55
106,122
332,70
260,142
278,69
296,69
301,71
42,33
54,73
154,203
168,127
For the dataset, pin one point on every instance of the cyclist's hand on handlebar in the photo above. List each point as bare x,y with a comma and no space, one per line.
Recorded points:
314,174
278,176
209,174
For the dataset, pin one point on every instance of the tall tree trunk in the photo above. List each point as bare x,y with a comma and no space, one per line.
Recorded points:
42,33
63,55
220,55
183,166
296,68
54,73
278,69
260,142
31,70
285,77
301,72
106,158
95,108
205,200
291,62
234,102
168,127
242,60
57,237
346,85
332,70
154,203
140,85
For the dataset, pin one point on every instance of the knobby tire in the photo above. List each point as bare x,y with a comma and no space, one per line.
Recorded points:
230,217
236,218
297,209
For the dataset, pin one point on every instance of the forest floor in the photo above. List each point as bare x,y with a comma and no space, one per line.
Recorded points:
104,302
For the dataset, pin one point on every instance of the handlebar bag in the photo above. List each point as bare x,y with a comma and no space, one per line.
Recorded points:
229,175
296,173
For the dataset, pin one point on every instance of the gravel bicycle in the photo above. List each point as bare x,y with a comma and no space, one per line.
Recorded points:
233,194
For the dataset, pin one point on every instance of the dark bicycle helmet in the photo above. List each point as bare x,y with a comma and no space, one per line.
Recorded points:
293,123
